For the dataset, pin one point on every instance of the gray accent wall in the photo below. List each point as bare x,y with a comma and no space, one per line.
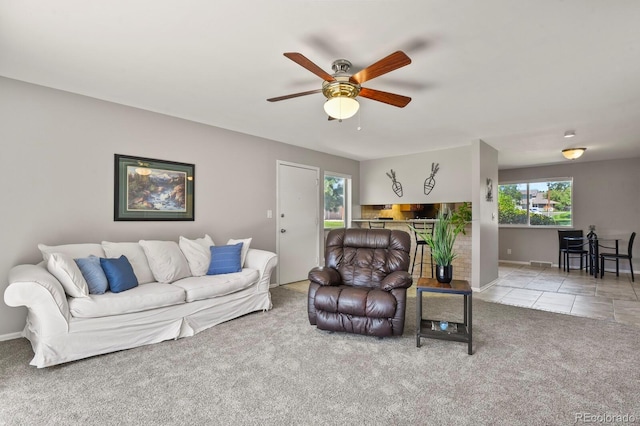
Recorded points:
57,161
605,194
484,165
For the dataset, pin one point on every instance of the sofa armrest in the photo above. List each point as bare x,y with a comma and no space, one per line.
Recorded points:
34,287
325,276
263,261
396,279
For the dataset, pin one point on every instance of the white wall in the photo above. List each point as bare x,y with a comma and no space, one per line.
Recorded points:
462,177
605,194
57,159
484,269
452,178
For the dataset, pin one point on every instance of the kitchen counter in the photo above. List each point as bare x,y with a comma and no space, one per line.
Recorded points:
394,220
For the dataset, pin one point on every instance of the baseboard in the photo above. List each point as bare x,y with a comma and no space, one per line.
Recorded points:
552,265
488,285
541,263
515,262
10,336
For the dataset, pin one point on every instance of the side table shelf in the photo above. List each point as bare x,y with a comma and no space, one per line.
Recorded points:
463,332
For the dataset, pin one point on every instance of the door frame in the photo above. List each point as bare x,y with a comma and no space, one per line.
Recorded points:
278,224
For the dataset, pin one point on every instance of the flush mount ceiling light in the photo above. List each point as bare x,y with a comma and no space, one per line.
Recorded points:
573,153
569,133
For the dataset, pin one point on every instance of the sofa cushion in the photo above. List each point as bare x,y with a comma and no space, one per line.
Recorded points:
67,272
209,286
136,257
93,273
246,243
225,259
197,253
166,260
119,273
74,251
141,298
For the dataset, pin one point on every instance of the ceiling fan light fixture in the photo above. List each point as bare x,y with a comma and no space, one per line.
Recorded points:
341,107
573,153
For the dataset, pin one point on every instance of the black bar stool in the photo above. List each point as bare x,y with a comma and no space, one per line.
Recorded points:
426,228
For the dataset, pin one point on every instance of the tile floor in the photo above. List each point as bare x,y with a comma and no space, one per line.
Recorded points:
575,293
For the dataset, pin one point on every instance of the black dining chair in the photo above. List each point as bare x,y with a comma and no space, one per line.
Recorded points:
568,248
617,256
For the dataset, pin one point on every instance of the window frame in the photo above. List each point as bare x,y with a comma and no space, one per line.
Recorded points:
346,196
528,182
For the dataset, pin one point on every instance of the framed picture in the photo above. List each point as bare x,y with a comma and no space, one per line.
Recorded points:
150,189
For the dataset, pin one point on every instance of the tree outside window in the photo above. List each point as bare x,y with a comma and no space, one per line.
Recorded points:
334,205
540,203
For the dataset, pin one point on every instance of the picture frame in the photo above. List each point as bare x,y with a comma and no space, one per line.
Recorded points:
152,189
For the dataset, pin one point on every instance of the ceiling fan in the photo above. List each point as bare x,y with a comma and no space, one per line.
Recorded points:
341,88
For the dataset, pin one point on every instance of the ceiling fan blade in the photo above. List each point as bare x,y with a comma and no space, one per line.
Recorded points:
386,97
294,95
392,62
302,60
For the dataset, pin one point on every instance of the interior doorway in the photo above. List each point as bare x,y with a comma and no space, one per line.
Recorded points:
297,221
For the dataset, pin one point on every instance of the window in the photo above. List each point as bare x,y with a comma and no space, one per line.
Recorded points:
536,203
336,200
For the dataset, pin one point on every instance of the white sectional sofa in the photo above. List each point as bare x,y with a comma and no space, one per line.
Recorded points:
64,328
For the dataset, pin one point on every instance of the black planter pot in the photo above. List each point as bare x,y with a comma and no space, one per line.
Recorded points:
444,274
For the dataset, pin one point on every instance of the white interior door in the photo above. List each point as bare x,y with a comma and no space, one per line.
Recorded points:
298,226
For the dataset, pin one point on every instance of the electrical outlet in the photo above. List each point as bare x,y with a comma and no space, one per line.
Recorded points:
508,251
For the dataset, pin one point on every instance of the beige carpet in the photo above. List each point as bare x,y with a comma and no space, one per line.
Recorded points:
273,368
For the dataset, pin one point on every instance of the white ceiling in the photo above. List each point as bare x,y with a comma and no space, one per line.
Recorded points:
515,74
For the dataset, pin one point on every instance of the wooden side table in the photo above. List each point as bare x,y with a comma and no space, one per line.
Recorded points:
459,332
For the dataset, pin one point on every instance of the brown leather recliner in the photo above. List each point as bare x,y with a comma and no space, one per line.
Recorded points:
363,286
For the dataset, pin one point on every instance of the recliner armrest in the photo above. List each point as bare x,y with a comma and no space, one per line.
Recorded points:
325,276
396,279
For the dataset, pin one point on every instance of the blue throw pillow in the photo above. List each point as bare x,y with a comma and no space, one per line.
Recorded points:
225,259
119,273
93,274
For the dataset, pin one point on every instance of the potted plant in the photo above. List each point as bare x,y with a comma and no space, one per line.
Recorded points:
441,242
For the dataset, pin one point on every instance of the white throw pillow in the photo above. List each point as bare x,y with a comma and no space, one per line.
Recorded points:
65,269
197,253
245,247
74,251
135,255
167,262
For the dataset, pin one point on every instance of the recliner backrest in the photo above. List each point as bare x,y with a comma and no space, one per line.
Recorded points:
364,257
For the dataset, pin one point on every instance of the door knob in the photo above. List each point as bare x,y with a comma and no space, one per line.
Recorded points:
282,231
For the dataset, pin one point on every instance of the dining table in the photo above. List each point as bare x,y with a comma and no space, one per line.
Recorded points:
594,244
